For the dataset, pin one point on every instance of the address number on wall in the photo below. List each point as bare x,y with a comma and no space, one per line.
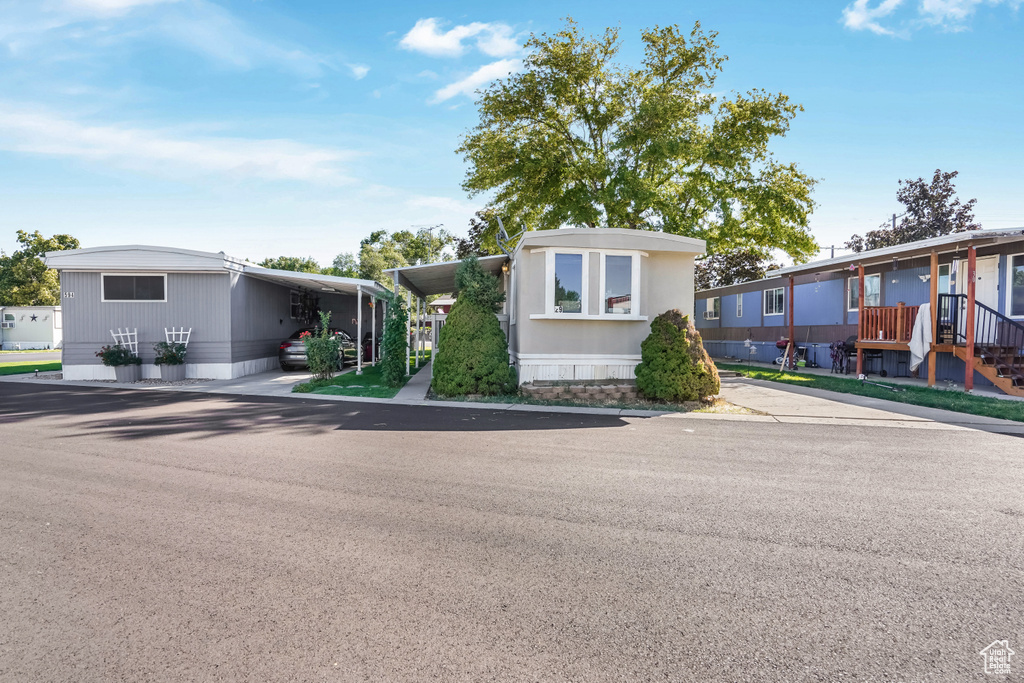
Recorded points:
69,295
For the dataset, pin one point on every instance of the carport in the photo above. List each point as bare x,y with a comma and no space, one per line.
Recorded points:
331,285
429,279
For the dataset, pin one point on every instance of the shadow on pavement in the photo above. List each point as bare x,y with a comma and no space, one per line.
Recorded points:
132,414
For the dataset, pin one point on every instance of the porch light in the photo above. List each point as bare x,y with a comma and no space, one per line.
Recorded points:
505,267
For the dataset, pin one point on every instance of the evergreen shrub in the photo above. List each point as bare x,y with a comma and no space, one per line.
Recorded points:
674,365
472,356
395,343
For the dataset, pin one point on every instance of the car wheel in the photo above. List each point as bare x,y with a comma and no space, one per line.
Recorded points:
286,368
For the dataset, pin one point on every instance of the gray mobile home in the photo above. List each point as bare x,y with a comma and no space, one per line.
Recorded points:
238,312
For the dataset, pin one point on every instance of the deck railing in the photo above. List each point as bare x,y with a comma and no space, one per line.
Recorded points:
888,323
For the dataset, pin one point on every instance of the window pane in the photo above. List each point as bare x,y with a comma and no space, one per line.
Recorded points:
944,279
854,289
618,284
1017,285
133,287
718,307
149,288
568,283
873,290
778,301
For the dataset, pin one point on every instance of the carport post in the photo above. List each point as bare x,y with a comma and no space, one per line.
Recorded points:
419,322
373,330
359,329
408,332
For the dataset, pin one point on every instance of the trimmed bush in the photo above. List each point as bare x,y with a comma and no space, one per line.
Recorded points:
472,356
674,365
322,351
395,342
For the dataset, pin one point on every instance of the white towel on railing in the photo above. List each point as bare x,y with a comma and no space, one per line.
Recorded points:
921,337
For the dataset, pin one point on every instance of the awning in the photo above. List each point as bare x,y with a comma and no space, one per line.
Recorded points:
314,281
438,278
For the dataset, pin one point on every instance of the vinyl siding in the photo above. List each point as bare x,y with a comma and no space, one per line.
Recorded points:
196,300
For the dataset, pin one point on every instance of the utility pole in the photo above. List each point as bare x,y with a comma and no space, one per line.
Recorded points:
430,245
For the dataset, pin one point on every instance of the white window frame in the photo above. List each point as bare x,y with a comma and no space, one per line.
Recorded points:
103,289
510,295
764,302
739,305
8,324
849,288
294,299
1009,286
549,284
634,284
709,308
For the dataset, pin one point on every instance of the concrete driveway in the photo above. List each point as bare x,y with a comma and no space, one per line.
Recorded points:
158,536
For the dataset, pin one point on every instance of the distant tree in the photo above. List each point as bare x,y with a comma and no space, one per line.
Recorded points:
24,278
576,139
932,211
380,251
344,265
301,265
732,267
483,227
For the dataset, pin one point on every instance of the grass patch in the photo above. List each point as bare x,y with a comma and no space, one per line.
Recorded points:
370,384
23,367
956,401
30,351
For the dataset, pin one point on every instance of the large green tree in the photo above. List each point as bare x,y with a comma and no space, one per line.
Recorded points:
381,250
294,263
24,278
732,267
932,210
577,139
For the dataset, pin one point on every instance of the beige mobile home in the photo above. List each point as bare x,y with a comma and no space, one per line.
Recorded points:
579,301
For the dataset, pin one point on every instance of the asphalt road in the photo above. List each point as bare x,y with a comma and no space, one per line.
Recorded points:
149,536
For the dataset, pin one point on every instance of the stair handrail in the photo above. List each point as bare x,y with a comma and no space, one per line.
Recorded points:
993,330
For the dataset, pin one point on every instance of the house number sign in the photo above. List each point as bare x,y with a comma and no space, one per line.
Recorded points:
69,295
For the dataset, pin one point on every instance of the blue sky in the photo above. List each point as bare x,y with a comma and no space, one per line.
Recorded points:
296,127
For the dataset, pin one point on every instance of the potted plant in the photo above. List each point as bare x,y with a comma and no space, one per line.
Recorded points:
127,366
170,356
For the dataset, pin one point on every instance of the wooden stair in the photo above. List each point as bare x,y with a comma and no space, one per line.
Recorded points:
995,363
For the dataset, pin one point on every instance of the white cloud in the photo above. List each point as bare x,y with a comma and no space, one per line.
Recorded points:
163,153
359,71
950,15
78,28
111,6
860,16
493,39
485,74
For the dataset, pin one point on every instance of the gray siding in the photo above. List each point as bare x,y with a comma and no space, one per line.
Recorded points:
196,300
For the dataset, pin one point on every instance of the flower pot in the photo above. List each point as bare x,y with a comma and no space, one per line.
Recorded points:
172,373
128,373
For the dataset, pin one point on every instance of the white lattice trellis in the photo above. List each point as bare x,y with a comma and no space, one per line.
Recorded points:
178,335
127,339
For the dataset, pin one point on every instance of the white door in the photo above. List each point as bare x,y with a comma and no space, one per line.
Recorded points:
986,288
986,291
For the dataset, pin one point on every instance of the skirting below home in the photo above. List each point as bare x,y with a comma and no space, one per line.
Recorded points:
193,370
535,367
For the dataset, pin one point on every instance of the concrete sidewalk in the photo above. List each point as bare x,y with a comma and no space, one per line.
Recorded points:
418,385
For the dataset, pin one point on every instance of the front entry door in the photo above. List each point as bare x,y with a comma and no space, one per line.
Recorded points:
986,288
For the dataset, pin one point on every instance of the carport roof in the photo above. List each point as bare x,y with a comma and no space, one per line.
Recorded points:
323,283
438,278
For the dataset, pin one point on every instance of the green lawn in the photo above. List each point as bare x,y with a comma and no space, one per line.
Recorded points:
369,384
22,367
957,401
